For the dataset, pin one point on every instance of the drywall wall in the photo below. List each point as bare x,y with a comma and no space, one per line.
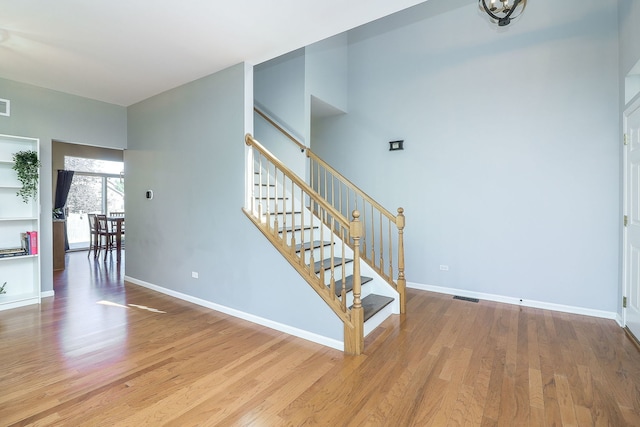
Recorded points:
187,145
279,91
629,21
50,115
510,173
326,72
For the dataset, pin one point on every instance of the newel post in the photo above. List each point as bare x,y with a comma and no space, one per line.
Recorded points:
354,333
402,282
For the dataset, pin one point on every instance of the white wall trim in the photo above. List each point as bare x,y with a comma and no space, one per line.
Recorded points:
517,301
47,294
309,336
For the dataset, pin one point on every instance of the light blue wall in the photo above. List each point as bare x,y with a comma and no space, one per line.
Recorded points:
629,18
187,146
510,173
50,115
279,87
326,71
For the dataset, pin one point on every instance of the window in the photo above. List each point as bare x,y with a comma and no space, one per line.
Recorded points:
97,187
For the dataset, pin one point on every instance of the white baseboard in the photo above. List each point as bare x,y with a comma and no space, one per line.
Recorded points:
309,336
517,301
619,320
47,294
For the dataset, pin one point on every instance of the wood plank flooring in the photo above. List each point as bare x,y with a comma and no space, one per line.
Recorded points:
107,353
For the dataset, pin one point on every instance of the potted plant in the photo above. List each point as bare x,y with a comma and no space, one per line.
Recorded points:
26,164
2,291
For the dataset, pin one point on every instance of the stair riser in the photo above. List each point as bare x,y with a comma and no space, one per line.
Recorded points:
365,290
319,254
274,205
297,219
301,236
337,273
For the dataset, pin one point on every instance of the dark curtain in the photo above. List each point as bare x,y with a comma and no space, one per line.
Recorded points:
62,192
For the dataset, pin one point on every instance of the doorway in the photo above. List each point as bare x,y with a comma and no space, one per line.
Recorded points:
632,218
97,188
100,170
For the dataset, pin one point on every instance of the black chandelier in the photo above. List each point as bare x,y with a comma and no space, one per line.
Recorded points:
501,12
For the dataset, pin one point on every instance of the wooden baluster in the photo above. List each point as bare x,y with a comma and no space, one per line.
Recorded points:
348,206
390,250
343,293
284,204
325,184
354,333
260,207
373,239
321,239
332,280
333,196
318,181
293,222
402,283
382,248
285,241
340,198
364,237
253,181
311,181
311,238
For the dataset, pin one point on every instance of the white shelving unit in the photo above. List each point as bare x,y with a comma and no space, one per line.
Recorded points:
22,273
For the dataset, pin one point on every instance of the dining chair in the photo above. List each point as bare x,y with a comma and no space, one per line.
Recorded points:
104,232
93,234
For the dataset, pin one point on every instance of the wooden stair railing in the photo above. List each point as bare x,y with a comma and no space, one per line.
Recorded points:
278,203
382,231
346,197
282,130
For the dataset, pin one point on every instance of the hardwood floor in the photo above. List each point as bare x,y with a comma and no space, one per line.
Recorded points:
103,352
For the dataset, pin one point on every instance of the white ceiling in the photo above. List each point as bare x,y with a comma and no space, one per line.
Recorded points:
124,51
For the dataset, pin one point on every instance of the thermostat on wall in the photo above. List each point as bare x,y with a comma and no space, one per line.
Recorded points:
149,194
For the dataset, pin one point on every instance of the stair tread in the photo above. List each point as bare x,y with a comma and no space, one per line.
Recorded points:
287,213
296,228
315,244
373,303
325,264
349,283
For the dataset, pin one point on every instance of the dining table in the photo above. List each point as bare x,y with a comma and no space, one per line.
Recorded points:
117,224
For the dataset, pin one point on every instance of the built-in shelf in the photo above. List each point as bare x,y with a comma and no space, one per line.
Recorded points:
15,257
20,272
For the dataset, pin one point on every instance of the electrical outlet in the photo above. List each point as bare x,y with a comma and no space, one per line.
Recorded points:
444,268
194,274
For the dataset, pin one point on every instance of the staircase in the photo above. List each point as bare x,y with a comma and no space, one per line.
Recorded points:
331,245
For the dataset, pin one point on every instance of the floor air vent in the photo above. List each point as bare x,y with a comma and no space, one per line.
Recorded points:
466,298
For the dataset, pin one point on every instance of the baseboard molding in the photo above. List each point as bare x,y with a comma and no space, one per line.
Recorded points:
47,294
516,301
309,336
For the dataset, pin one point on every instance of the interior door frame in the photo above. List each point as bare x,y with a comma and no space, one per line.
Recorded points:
631,107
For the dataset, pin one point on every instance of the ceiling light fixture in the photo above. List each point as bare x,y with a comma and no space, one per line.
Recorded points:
501,12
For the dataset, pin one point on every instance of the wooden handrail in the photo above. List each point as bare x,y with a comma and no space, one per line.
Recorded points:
250,140
280,128
354,187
